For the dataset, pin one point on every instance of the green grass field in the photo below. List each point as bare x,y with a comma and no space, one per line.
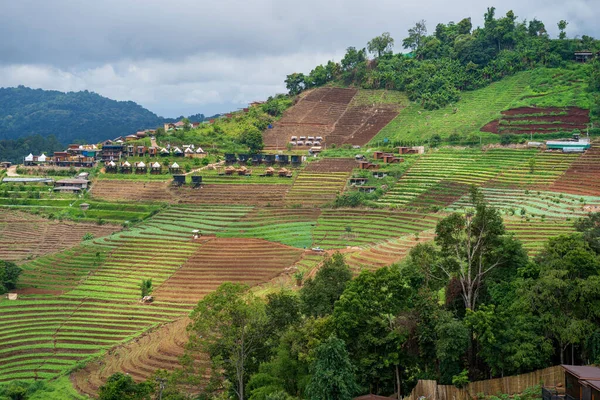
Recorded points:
543,87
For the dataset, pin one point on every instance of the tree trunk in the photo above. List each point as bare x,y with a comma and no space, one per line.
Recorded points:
398,382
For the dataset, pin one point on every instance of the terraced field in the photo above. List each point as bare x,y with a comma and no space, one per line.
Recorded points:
496,167
333,114
536,232
249,261
339,228
583,175
531,120
25,236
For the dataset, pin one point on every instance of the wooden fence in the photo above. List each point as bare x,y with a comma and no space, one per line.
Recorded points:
430,390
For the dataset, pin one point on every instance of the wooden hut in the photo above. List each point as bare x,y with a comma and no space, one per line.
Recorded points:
164,152
189,152
141,168
175,168
152,151
111,166
296,160
257,159
591,390
269,159
141,150
177,152
178,179
243,158
285,173
196,181
230,158
576,375
357,181
378,154
156,168
283,159
367,189
367,165
391,159
126,167
230,170
268,172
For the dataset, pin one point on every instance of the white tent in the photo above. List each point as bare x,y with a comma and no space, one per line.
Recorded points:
164,151
177,150
156,165
175,165
126,164
29,157
141,165
112,164
189,150
42,158
199,150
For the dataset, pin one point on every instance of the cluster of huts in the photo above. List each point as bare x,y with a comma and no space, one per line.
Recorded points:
306,140
141,167
267,159
243,171
112,151
68,185
76,155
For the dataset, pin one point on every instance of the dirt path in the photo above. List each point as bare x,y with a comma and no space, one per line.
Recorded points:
205,167
12,171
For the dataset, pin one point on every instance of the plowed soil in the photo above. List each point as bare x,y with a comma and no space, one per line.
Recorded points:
526,120
326,112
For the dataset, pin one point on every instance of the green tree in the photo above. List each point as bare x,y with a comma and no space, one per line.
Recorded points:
122,387
381,45
187,126
467,244
295,83
590,228
283,310
146,287
230,324
332,373
319,294
253,139
373,318
9,275
562,26
416,35
566,292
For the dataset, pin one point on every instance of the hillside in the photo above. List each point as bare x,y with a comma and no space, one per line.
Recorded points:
70,116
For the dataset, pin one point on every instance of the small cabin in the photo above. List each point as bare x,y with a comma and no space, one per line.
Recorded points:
577,378
378,155
283,159
71,185
196,180
178,180
140,168
230,158
164,152
5,164
379,174
296,160
391,159
367,165
357,181
269,158
243,158
583,56
367,189
126,167
175,168
257,159
156,168
152,151
140,151
177,152
111,166
591,390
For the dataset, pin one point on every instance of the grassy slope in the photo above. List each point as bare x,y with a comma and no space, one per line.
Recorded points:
542,87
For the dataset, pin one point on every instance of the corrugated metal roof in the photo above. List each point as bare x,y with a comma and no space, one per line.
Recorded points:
23,180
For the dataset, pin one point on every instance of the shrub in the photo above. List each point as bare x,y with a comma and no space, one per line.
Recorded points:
88,236
146,287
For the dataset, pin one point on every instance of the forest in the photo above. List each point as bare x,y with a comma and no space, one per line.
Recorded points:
469,306
72,117
455,57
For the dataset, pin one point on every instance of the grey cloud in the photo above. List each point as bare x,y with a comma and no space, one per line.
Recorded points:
179,53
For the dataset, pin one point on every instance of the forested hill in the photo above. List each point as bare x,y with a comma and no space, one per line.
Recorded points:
72,116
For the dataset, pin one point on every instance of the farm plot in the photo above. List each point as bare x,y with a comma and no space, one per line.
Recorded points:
583,175
41,338
341,228
156,349
495,167
314,188
535,232
120,190
250,261
534,203
332,165
526,120
290,226
339,116
24,236
388,252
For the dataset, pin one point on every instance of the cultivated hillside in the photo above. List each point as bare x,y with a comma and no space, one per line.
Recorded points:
339,116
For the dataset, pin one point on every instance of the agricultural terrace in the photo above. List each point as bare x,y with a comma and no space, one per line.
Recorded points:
583,175
448,171
542,87
339,116
24,236
538,120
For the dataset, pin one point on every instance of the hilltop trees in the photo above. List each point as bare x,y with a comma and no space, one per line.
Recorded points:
381,45
416,36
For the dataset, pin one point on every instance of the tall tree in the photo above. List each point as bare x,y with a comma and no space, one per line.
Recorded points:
230,325
332,373
9,275
319,294
416,36
295,83
562,26
381,45
467,243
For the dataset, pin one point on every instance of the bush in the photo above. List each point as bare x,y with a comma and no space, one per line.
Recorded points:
88,236
461,380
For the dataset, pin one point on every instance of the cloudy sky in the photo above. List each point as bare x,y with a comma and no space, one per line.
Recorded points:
196,56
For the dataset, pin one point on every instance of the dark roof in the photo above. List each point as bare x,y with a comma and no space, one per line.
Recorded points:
583,372
593,384
67,188
373,397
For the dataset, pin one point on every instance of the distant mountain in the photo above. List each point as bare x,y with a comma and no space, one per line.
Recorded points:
70,117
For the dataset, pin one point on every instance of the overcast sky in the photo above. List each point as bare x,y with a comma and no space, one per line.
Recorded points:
195,56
